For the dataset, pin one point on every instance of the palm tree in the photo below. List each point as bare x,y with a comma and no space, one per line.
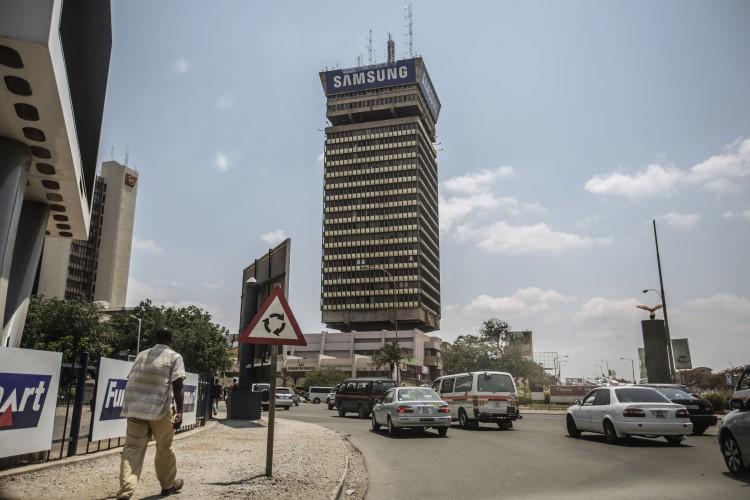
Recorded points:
391,355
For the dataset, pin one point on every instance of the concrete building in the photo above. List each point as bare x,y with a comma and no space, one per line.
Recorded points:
54,64
96,269
381,251
352,352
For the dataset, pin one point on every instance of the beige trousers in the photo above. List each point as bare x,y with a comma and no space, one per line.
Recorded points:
139,433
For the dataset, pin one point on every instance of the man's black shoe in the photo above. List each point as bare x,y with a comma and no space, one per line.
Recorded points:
174,489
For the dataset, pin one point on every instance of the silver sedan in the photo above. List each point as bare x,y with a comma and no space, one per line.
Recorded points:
412,407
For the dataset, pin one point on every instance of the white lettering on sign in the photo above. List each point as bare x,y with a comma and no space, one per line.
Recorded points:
371,76
114,396
15,405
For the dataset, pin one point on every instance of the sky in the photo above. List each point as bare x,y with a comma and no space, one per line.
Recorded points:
566,127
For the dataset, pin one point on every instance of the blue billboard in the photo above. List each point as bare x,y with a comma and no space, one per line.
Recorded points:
22,397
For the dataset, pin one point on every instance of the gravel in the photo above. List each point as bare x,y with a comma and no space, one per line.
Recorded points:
226,461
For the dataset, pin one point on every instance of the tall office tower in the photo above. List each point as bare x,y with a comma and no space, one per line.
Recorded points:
97,268
381,253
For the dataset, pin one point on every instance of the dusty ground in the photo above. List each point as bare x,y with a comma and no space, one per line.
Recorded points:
227,461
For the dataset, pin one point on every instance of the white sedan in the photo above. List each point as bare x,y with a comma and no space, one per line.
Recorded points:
619,412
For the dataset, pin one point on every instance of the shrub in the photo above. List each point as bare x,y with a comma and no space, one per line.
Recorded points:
719,399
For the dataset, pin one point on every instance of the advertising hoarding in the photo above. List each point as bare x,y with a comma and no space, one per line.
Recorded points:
111,380
190,400
567,393
522,340
657,359
29,381
341,81
681,353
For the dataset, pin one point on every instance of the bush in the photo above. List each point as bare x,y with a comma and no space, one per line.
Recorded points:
719,399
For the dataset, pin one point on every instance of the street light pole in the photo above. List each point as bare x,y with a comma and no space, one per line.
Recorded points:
138,342
664,306
632,366
395,313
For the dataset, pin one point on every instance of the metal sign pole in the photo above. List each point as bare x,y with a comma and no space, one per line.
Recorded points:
271,413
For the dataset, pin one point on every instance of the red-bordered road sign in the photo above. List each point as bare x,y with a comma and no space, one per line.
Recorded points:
274,323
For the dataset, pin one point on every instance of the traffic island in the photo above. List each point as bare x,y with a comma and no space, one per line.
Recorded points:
226,461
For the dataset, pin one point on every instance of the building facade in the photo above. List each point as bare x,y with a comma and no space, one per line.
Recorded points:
96,269
351,352
381,251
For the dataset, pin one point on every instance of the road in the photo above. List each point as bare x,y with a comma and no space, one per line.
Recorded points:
535,460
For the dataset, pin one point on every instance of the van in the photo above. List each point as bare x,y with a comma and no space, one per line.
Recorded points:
741,389
317,394
485,396
360,394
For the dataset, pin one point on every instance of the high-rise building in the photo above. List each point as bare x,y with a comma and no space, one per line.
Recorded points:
381,251
97,268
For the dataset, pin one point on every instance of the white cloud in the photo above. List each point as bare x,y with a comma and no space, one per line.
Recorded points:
213,285
720,302
611,309
455,209
148,246
655,179
274,237
502,238
181,65
476,182
675,219
222,164
522,301
718,173
729,214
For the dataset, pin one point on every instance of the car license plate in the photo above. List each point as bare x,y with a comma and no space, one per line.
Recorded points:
693,407
659,414
426,419
424,410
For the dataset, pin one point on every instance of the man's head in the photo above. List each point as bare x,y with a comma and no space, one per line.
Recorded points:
163,336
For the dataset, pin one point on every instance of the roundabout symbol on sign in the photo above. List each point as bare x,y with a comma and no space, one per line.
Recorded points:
267,323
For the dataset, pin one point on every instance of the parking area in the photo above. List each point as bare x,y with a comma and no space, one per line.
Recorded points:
534,460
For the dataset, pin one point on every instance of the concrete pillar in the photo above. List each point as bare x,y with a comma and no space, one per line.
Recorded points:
26,254
15,159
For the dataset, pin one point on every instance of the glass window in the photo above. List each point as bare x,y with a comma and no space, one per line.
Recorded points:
602,398
387,384
744,383
447,385
674,393
363,386
463,384
388,398
589,399
418,394
351,387
436,385
494,382
640,395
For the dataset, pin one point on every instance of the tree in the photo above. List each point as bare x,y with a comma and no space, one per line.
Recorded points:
67,326
495,330
201,342
470,353
325,377
391,355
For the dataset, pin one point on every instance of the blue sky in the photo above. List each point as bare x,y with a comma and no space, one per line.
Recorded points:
566,127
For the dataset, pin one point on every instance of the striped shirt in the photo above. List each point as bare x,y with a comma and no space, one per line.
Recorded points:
148,393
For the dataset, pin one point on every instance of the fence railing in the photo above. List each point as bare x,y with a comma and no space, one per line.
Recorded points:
74,412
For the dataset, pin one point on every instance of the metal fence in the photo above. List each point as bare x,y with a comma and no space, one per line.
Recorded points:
71,433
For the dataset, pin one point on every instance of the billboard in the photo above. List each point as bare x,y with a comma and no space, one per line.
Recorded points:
522,340
341,81
642,363
108,422
657,359
29,381
567,393
190,399
681,354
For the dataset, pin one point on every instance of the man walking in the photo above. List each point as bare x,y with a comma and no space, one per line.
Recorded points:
216,391
156,376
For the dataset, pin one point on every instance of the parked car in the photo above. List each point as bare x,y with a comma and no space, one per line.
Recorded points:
701,411
619,412
331,398
741,389
411,407
318,394
734,439
284,397
480,397
359,394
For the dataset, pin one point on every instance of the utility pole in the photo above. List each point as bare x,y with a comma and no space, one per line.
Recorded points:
664,306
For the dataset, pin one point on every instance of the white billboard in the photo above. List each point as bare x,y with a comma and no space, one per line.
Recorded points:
110,393
190,400
29,381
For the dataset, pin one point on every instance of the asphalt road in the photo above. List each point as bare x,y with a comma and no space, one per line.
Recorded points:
535,460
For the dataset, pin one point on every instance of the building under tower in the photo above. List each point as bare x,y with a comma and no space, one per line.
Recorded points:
381,251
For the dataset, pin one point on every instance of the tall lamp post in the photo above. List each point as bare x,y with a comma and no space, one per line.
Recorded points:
138,342
395,316
632,366
666,328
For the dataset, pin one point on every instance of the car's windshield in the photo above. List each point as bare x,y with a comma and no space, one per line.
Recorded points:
674,393
494,382
642,395
283,390
418,394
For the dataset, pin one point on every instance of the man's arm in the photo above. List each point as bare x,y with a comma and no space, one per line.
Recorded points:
179,396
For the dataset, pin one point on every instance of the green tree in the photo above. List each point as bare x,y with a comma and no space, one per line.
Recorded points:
67,326
201,342
495,330
391,355
325,377
470,353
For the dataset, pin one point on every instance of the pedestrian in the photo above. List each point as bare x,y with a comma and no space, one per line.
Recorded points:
216,395
156,377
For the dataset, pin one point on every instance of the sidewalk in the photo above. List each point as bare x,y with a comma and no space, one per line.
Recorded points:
225,461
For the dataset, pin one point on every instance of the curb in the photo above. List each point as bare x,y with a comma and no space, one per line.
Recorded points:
364,464
91,456
336,494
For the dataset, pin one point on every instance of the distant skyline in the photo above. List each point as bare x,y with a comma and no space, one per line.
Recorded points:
565,128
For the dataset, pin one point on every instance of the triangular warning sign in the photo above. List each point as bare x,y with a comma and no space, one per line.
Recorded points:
274,323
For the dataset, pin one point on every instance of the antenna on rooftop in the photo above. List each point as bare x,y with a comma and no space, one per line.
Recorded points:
112,153
369,48
410,29
359,61
391,49
127,155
